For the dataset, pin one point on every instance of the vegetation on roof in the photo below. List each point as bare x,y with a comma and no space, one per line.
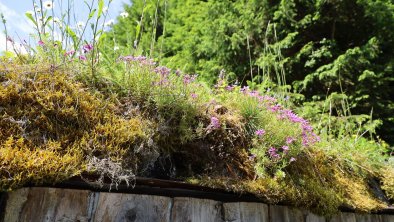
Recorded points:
67,112
165,124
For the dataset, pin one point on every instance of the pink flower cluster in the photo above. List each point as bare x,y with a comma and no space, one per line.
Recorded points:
230,88
275,153
69,53
215,123
260,132
162,70
308,136
87,48
142,60
187,79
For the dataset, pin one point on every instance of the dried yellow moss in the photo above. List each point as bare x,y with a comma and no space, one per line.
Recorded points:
51,126
357,193
23,164
387,176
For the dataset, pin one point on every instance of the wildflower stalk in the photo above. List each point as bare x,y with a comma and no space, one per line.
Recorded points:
164,29
154,27
140,27
96,32
76,46
42,17
5,30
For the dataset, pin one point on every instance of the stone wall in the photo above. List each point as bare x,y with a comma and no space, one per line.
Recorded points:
72,205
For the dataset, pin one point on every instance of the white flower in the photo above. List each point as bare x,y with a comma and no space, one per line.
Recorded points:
48,4
116,48
124,14
38,10
109,23
105,9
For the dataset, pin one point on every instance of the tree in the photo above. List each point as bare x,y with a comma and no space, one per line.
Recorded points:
321,48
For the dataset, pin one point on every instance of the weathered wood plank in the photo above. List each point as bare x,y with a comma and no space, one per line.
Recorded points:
66,205
16,200
195,210
344,217
387,218
48,205
117,207
285,214
245,212
310,217
368,218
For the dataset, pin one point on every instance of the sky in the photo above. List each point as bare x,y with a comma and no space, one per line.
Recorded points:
19,27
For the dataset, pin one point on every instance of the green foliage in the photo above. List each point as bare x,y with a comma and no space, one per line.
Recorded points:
320,48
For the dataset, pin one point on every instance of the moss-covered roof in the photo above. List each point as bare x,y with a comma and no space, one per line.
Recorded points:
54,126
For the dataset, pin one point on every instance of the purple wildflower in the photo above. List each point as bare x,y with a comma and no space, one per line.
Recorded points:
162,70
41,43
253,93
127,58
288,114
268,99
260,132
215,123
187,79
306,139
230,88
82,58
285,149
140,59
193,95
275,108
306,126
69,53
289,140
87,48
292,159
272,152
244,89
